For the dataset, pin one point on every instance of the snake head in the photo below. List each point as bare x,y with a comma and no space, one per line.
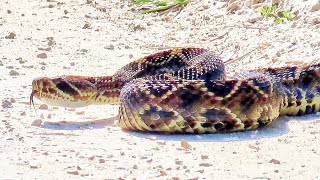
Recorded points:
75,91
66,91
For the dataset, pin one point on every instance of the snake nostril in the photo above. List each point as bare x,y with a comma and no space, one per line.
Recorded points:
38,82
35,85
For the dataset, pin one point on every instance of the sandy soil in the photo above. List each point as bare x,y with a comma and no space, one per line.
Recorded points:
50,38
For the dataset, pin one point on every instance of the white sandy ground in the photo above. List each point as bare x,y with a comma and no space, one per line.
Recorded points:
88,146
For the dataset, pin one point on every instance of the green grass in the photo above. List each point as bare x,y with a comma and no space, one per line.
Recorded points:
270,11
158,6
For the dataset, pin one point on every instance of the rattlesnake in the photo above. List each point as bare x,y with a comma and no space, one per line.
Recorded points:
185,90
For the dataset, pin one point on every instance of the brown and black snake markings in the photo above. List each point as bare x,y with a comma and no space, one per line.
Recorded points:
186,91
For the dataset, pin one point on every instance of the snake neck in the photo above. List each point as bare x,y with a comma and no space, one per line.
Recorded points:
106,90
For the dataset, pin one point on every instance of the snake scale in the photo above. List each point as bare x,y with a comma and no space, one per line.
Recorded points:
185,90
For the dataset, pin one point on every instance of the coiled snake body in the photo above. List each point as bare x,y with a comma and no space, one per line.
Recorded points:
185,91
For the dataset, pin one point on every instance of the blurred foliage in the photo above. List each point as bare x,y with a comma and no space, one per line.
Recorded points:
271,11
157,6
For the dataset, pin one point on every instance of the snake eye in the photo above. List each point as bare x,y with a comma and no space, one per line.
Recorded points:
66,88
